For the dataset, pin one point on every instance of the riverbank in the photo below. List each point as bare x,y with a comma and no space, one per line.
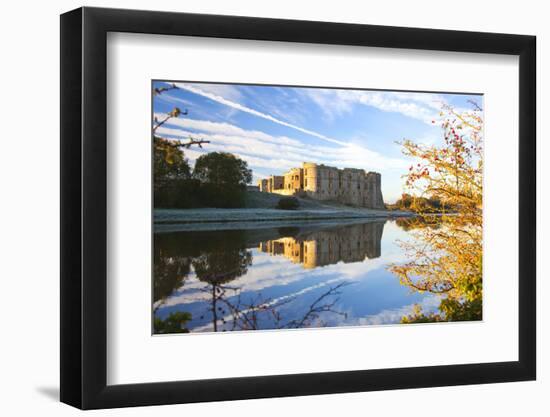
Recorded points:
217,219
260,212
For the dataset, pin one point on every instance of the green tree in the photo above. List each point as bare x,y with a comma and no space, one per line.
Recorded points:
223,178
222,169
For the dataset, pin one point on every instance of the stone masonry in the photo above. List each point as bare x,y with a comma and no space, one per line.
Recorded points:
350,186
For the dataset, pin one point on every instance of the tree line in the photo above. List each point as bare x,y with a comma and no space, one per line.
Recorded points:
424,204
218,179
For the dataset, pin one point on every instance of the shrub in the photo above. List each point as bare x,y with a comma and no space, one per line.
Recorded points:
177,194
174,323
212,195
191,193
288,203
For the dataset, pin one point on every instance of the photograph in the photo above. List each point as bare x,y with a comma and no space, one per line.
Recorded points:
264,208
290,207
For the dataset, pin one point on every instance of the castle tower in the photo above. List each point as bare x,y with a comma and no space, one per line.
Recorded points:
373,197
310,177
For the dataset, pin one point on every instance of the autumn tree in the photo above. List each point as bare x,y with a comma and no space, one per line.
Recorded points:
447,260
169,162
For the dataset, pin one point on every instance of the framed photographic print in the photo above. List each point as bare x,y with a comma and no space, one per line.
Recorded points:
258,208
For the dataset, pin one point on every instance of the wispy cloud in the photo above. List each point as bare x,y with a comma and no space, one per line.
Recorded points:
233,118
335,103
275,153
222,100
429,304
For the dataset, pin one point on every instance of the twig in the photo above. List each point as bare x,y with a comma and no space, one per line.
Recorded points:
157,91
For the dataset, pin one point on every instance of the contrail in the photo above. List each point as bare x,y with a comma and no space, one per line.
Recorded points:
248,110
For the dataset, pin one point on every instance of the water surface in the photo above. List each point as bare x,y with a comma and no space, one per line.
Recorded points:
286,277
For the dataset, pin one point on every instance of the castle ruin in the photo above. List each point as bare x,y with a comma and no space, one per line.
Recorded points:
350,186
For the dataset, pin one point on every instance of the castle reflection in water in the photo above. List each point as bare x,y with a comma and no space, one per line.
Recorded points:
353,243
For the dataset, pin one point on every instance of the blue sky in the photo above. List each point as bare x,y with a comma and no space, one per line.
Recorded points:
276,128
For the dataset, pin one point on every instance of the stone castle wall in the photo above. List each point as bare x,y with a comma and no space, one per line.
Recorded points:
350,186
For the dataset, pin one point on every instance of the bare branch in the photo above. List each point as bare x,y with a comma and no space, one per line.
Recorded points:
192,141
159,90
476,106
176,112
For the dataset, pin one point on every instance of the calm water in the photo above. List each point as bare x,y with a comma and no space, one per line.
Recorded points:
286,277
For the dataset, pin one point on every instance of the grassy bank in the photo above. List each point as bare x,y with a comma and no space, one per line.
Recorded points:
260,212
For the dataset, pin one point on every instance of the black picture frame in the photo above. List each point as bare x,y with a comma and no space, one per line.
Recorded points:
84,207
